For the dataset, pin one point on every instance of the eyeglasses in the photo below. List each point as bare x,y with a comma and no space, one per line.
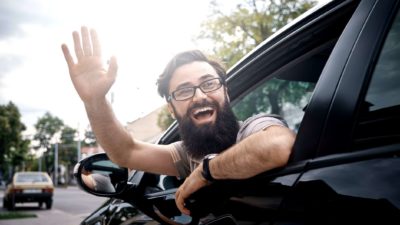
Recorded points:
183,94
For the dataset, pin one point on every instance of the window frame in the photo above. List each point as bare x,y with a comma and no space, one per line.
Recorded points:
337,135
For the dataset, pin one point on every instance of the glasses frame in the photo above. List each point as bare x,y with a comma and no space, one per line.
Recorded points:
172,95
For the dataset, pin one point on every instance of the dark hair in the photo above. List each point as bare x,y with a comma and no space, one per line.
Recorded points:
181,59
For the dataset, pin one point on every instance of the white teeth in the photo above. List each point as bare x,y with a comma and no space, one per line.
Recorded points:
197,111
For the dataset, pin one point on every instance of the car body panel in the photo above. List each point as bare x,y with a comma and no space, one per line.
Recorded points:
356,77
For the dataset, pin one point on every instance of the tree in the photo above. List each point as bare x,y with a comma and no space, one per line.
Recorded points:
234,33
164,119
67,151
46,129
13,147
271,97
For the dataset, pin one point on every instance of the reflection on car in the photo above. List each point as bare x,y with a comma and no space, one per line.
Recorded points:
29,187
333,74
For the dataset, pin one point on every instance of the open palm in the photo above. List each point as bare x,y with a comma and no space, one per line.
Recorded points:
89,76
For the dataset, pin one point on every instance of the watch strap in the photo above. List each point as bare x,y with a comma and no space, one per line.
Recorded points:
206,167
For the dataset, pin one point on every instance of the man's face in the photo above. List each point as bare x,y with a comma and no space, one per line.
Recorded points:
190,75
206,121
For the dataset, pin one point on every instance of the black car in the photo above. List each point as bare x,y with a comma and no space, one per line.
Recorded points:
334,75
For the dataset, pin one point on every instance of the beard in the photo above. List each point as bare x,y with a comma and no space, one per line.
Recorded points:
211,137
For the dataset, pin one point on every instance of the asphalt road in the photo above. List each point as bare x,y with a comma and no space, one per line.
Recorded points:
70,206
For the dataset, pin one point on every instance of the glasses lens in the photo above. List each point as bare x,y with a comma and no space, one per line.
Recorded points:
210,85
184,93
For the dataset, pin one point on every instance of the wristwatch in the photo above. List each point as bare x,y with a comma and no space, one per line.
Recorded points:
206,169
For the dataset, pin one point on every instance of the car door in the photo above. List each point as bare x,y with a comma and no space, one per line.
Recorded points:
282,71
354,113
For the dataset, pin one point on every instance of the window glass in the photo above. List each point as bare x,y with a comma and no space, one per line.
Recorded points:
285,98
384,88
379,121
31,178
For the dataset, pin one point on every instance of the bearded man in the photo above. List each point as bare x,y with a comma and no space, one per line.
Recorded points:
214,144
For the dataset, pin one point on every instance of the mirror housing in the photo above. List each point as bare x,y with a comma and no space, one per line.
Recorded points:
99,176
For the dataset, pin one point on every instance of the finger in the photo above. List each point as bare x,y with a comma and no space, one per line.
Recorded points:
86,44
180,202
77,45
181,206
67,56
95,43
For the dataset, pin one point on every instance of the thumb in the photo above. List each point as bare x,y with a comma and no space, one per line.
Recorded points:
113,67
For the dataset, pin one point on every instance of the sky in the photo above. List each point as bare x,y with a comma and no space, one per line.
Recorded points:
143,35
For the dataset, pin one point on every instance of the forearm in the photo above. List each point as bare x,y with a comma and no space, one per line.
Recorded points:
262,151
110,133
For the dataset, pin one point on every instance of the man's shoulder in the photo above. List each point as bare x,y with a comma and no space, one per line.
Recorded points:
259,122
263,117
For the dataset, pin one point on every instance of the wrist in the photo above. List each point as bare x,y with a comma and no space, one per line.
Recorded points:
206,172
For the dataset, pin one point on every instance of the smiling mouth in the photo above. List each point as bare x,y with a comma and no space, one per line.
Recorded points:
203,113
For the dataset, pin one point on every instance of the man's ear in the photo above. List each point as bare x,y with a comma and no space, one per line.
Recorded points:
171,110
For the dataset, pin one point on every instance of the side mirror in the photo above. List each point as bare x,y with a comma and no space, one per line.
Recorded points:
97,175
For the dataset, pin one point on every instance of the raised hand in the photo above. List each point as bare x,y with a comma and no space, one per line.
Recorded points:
91,79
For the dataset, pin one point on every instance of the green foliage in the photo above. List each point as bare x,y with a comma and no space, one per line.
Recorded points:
46,129
13,147
67,149
234,33
164,119
16,215
271,98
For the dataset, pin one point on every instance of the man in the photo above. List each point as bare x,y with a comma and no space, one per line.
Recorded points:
197,97
97,181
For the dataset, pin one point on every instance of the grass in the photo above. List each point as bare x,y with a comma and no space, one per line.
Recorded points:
15,215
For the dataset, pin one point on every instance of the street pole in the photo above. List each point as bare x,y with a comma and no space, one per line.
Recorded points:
40,163
55,163
78,149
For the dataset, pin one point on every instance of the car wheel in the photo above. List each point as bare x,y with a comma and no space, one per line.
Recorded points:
11,204
49,203
5,203
40,204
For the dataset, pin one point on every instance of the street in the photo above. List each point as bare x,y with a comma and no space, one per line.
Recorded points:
70,206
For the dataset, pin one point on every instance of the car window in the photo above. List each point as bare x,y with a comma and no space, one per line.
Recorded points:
286,98
379,118
25,178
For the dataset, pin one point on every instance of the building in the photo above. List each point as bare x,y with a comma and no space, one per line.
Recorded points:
146,128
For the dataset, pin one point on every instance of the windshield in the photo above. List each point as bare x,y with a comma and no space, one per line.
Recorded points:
25,178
